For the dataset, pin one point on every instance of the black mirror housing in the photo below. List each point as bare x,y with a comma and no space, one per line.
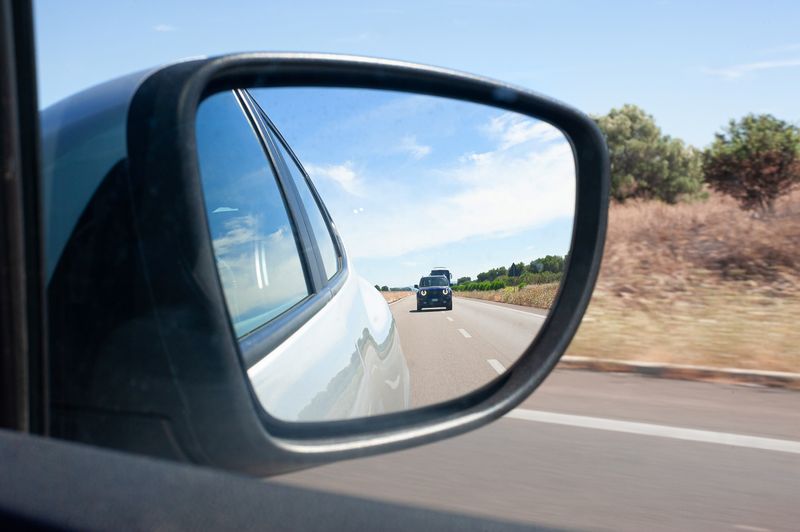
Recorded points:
170,381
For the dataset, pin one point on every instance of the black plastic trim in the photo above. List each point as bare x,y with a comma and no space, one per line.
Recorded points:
23,323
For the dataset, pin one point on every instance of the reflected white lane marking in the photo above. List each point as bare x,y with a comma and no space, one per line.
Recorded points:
464,333
661,431
496,365
449,318
483,303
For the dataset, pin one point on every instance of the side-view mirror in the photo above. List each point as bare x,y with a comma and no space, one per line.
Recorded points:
212,289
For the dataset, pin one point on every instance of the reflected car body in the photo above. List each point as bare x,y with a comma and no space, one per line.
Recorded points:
434,292
344,360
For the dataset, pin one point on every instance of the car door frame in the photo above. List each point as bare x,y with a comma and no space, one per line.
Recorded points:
258,343
23,325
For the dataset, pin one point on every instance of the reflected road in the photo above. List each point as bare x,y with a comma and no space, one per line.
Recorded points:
450,353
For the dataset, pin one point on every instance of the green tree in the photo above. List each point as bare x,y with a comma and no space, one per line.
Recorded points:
378,288
754,160
552,263
492,274
463,280
535,266
515,270
384,288
646,163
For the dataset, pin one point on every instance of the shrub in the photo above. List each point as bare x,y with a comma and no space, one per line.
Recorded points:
644,162
754,160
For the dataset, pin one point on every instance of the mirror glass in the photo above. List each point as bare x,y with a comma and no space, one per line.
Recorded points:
404,248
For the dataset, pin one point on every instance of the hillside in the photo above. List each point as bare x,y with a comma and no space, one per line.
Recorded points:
698,283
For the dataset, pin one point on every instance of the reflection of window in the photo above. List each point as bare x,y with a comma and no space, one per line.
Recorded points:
257,255
321,233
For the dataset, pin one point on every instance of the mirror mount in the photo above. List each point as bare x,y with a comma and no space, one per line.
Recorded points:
199,405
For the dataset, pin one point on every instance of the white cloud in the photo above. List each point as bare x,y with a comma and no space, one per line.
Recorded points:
528,181
738,71
239,231
415,149
342,174
163,28
512,129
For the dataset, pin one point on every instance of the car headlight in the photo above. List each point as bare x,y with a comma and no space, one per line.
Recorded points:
423,292
445,291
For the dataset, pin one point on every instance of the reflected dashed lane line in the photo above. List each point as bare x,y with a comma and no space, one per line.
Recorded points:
464,333
496,365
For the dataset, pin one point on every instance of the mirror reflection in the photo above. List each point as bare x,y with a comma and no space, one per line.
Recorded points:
403,249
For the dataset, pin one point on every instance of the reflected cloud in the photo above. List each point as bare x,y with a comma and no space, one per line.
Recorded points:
248,261
410,145
527,181
342,174
512,129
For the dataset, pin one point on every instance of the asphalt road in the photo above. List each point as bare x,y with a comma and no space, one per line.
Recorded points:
593,451
450,353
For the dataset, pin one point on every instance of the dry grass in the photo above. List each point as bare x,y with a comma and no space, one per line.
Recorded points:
702,283
391,297
659,250
535,295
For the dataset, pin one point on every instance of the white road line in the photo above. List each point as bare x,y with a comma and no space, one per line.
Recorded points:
529,314
449,318
464,333
496,365
661,431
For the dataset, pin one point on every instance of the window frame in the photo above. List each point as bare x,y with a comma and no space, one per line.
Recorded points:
272,131
259,342
285,201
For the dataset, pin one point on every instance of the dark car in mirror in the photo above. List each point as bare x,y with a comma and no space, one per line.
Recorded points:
434,292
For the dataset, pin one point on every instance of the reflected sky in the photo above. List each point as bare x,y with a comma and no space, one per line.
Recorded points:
257,255
417,181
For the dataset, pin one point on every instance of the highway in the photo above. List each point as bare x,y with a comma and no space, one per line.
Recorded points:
450,353
590,451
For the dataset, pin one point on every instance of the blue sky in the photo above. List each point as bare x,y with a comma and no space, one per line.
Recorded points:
413,182
693,65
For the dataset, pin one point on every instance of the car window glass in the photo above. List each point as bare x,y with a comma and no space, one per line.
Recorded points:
321,232
254,242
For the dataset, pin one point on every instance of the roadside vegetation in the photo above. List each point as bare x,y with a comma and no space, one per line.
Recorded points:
702,259
533,284
545,270
698,283
535,295
394,295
